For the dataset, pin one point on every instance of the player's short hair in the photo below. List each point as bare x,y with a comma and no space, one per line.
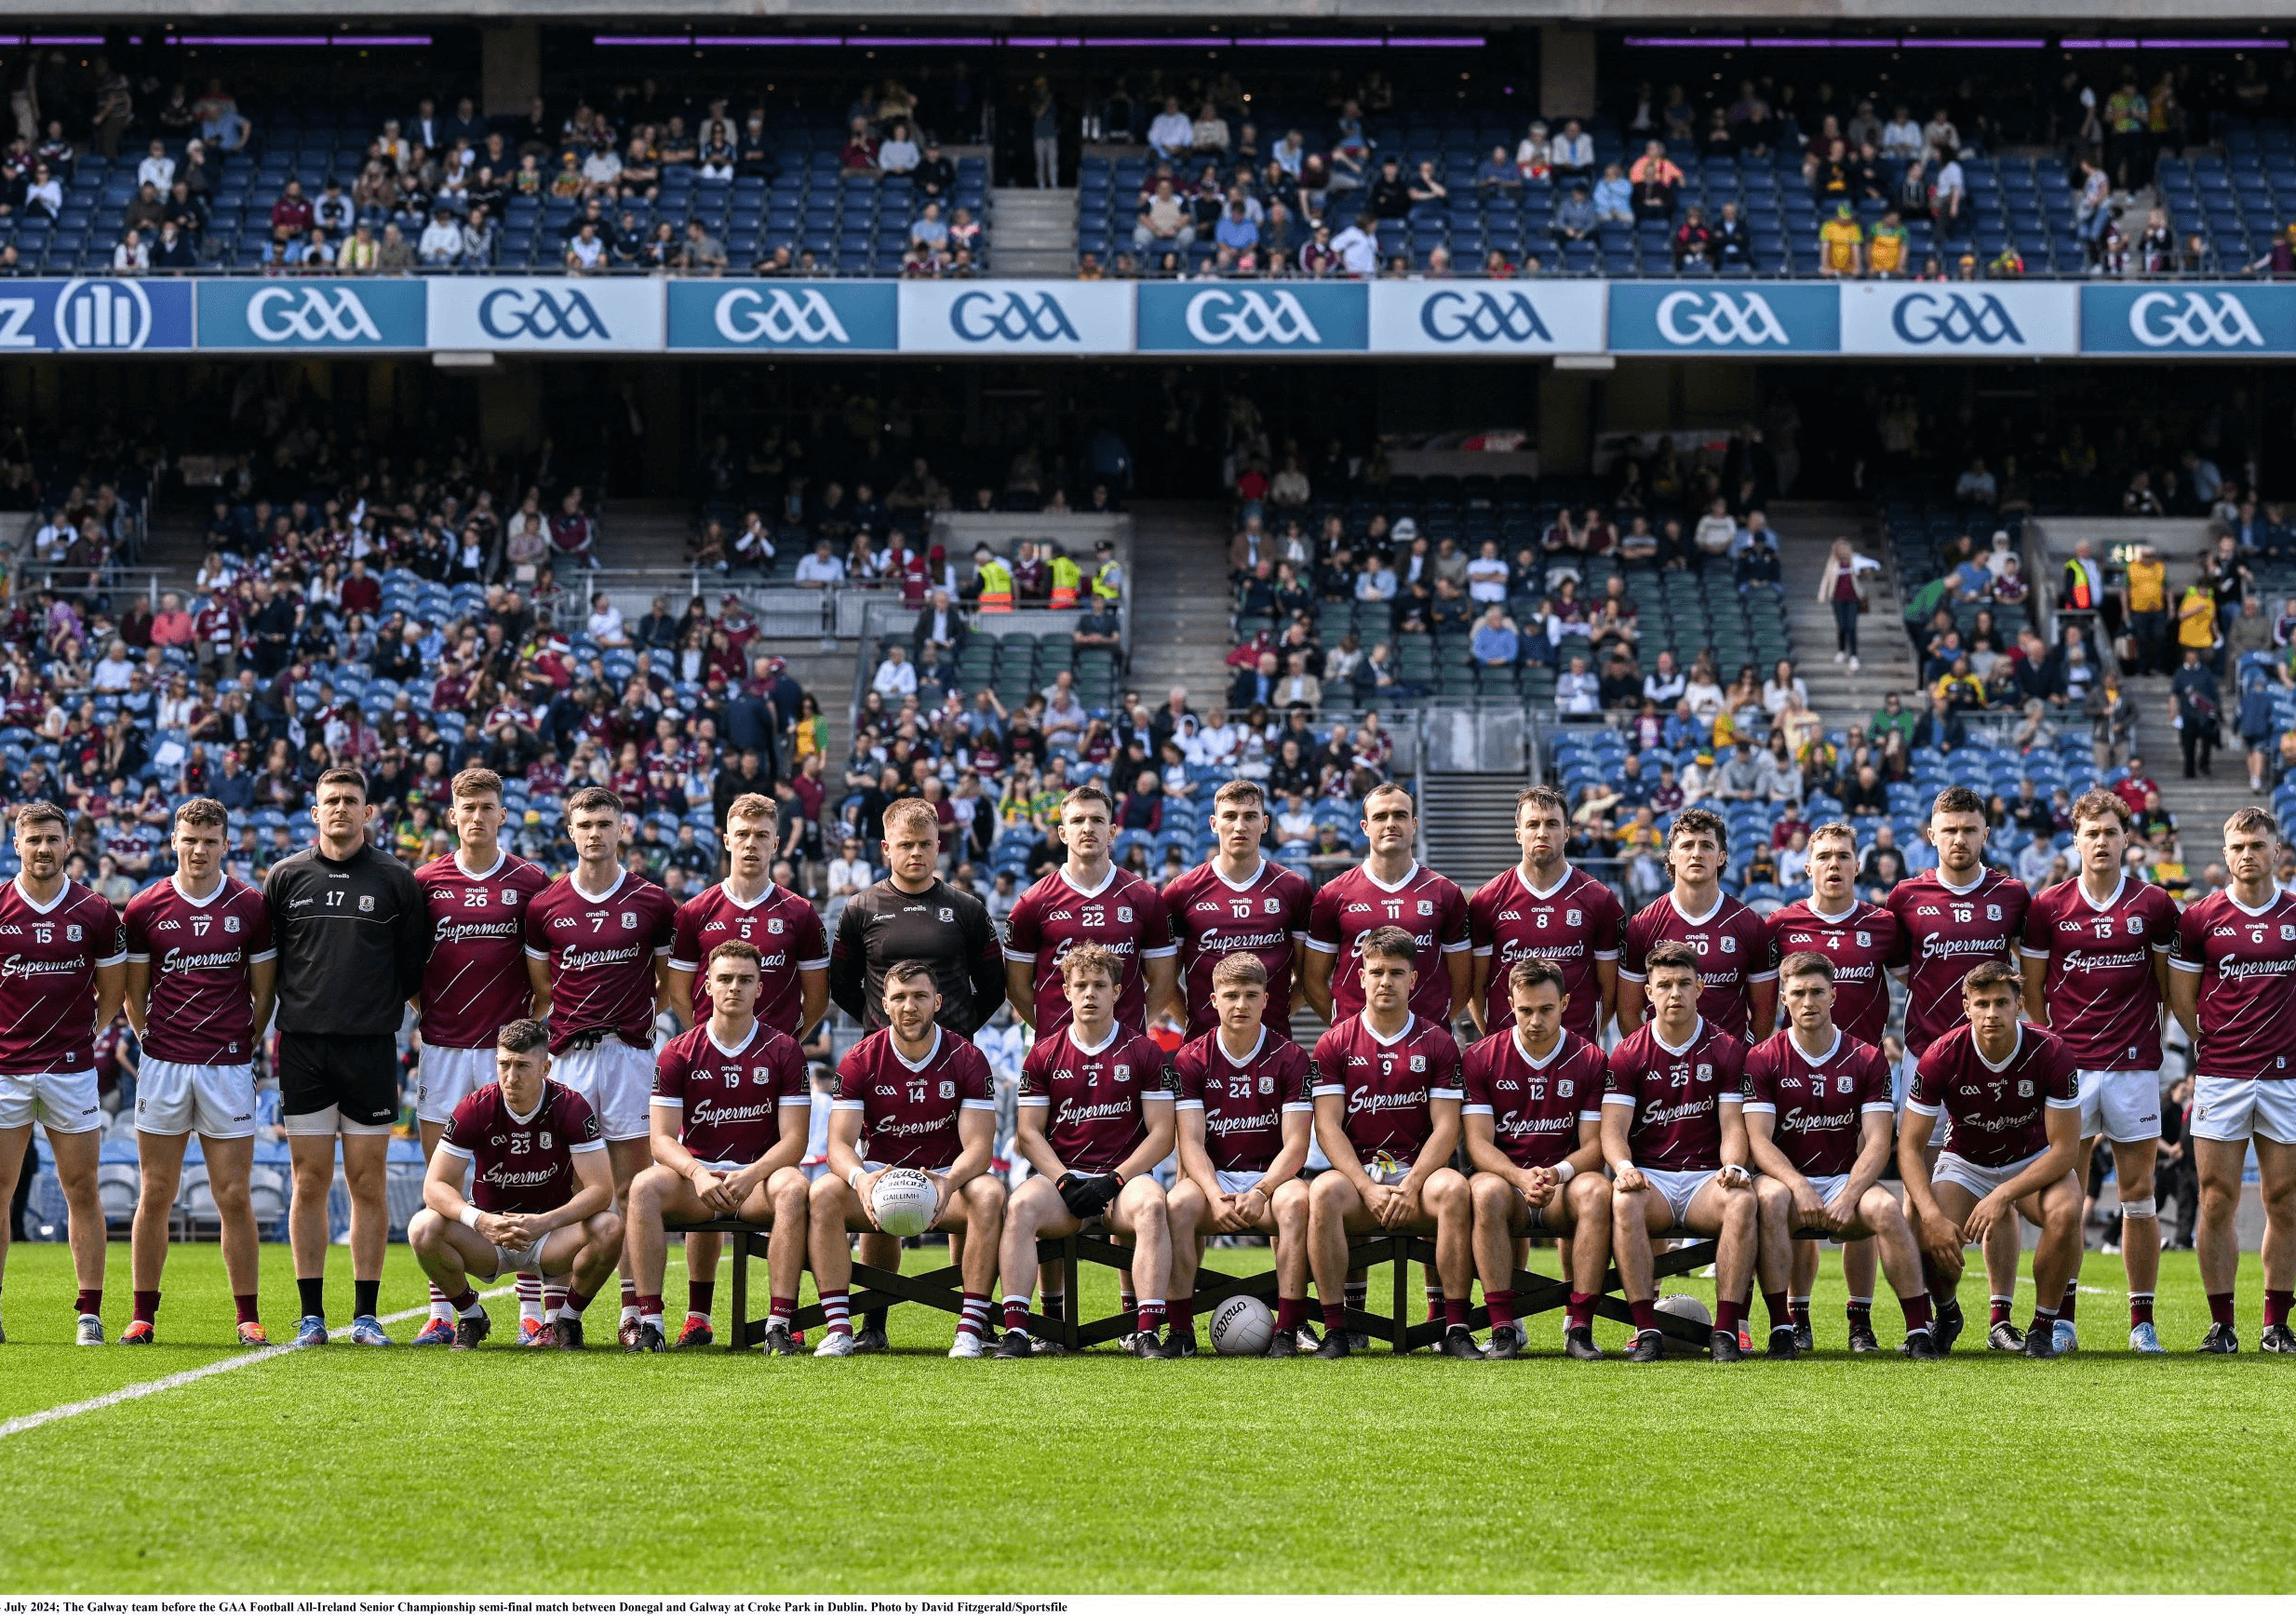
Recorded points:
2247,819
1531,972
1669,953
202,812
593,798
1087,794
1546,799
1241,789
1090,956
522,1036
1801,962
740,949
1986,976
910,968
1833,830
2102,805
902,812
474,783
1958,801
39,814
1238,968
1390,786
1698,819
351,775
753,807
1390,942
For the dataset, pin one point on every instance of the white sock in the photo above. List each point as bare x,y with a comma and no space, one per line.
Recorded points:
439,1302
568,1314
530,1295
473,1309
652,1317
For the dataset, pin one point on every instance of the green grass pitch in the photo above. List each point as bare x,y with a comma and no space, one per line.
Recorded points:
352,1470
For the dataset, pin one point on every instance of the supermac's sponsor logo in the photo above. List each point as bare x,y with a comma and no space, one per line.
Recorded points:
1483,317
704,1112
1219,316
1724,320
193,961
1070,1112
779,315
283,315
1656,1113
451,930
604,957
2193,320
30,967
1364,1099
1956,320
1221,1125
1011,314
1797,1119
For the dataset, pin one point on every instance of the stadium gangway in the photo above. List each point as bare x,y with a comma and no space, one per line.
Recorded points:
78,579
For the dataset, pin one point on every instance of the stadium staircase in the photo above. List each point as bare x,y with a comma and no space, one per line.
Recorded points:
1180,634
1840,696
1466,824
1036,231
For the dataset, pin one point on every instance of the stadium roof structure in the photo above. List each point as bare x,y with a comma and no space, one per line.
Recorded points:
2128,17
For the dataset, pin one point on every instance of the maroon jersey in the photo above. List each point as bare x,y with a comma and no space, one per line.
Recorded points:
1948,932
1124,914
909,1111
784,929
1574,925
1244,1100
201,1009
1390,1082
731,1096
475,979
1535,1105
2103,996
601,952
1733,944
49,957
1677,1096
1817,1106
1209,918
2247,964
1094,1097
524,1166
1862,944
1425,904
1992,1116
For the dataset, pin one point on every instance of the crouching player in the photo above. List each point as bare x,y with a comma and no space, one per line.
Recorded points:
1095,1119
1533,1119
1674,1137
730,1109
1387,1112
2012,1100
1244,1117
1819,1122
541,1199
912,1095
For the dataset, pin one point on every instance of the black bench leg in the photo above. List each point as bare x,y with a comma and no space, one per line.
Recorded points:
739,1339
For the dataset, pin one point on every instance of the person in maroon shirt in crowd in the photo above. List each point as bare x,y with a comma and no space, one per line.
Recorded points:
541,1199
918,1096
1819,1123
362,593
292,211
1674,1138
2011,1104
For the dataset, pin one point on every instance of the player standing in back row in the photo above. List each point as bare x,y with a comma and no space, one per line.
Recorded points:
596,944
1089,898
1390,890
1238,901
1962,914
352,931
69,960
200,966
474,982
1543,909
2097,973
1737,991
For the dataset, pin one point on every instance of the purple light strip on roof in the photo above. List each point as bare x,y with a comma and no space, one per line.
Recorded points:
1977,45
738,40
362,39
1436,42
1347,42
1682,42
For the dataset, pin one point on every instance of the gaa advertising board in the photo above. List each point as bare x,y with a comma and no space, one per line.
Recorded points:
314,314
804,317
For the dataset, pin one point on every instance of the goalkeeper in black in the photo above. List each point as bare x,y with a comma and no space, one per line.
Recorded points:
915,916
1095,1120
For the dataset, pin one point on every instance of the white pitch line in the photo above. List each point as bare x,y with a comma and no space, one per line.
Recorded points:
177,1381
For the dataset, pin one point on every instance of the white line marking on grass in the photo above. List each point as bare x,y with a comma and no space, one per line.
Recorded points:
176,1381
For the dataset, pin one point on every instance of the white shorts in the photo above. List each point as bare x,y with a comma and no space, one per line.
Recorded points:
941,1170
1678,1187
615,1080
526,1260
445,1076
65,1103
1979,1179
328,1122
1829,1188
2232,1111
215,1099
1233,1182
2122,1105
1388,1175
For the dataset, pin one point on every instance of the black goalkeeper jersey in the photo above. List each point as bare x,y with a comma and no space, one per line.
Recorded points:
944,926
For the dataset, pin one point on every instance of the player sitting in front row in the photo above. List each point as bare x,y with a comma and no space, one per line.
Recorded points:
912,1095
2012,1100
1387,1112
1674,1137
1532,1118
1819,1123
542,1197
1244,1116
1095,1119
730,1109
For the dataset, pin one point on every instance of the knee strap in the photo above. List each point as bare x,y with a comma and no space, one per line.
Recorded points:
2138,1207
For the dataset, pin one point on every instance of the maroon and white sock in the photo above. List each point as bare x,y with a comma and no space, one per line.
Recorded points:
1646,1313
1150,1316
973,1316
1916,1309
778,1313
1502,1307
553,1300
700,1298
574,1304
147,1306
2276,1302
1861,1311
1290,1314
2220,1309
529,1299
2073,1291
1435,1303
650,1309
1581,1311
466,1303
1016,1314
1798,1305
1728,1314
90,1303
1776,1303
2043,1323
2004,1309
1454,1313
2139,1310
1335,1314
439,1303
1126,1301
836,1311
630,1299
1181,1314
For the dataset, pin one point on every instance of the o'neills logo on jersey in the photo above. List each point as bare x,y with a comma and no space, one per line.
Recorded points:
449,930
701,1112
26,967
1220,1125
605,956
1657,1114
192,961
1362,1100
1066,1112
1798,1119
